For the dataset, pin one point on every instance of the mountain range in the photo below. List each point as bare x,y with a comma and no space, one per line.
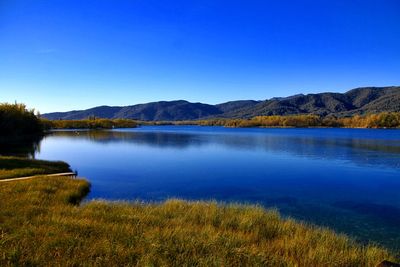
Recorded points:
356,101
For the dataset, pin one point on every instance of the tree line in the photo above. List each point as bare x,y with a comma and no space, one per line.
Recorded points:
17,120
380,120
90,123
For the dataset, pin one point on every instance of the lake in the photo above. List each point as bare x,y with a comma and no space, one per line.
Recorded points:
345,179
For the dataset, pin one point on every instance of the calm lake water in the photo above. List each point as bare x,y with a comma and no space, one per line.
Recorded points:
346,179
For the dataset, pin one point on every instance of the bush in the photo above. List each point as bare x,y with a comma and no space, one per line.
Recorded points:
17,120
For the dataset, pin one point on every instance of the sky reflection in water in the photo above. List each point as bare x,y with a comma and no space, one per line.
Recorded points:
347,179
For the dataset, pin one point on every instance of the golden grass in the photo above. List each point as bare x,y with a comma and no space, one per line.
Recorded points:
93,123
11,167
40,224
379,120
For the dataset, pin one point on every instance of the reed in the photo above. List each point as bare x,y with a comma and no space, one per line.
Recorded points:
93,123
379,120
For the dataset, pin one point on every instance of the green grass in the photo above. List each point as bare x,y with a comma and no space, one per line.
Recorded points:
11,167
42,225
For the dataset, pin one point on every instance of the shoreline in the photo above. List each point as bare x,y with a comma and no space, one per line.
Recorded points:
171,232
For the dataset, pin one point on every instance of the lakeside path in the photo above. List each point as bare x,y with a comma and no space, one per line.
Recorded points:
39,175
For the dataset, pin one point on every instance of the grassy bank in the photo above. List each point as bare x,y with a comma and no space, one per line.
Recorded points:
94,123
380,120
40,225
11,167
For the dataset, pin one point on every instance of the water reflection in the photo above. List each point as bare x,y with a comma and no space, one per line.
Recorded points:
345,179
26,147
359,151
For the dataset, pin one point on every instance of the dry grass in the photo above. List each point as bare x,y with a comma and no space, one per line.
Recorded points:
379,120
40,224
11,167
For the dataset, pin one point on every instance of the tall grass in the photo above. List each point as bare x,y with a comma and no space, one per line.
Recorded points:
11,167
380,120
94,123
40,224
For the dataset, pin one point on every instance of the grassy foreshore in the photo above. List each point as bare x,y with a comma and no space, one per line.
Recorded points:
379,120
93,123
41,224
11,167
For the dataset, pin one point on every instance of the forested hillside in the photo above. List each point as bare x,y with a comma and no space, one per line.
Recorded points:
357,101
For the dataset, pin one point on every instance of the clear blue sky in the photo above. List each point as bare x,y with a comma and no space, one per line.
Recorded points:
72,54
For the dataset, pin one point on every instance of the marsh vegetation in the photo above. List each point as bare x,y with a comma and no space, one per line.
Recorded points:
90,123
17,120
379,120
12,167
41,224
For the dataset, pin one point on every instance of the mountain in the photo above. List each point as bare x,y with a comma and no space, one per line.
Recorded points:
154,111
236,105
373,100
356,101
100,112
167,111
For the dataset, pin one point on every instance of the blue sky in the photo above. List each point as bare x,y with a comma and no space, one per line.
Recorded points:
73,54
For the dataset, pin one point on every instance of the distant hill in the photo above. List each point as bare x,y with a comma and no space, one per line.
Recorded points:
154,111
100,112
236,105
356,101
167,111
